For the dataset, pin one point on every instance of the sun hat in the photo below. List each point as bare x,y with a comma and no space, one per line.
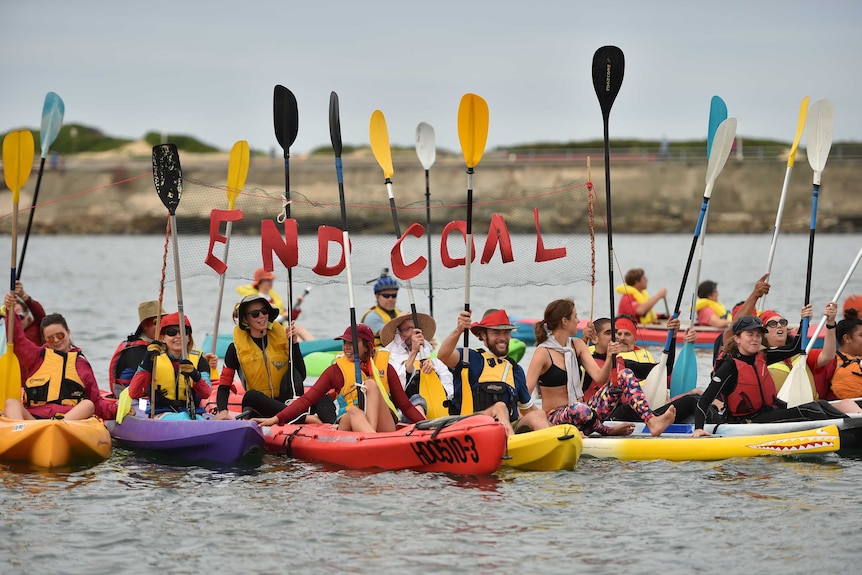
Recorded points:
147,310
748,323
362,331
241,307
492,319
426,324
260,275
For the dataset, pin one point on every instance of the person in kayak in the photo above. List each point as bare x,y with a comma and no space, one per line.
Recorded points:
846,377
129,354
383,310
60,382
742,380
556,369
710,311
266,357
496,383
28,312
173,376
635,300
381,391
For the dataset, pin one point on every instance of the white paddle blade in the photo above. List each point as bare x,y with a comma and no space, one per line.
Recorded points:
797,388
655,384
721,145
426,145
818,135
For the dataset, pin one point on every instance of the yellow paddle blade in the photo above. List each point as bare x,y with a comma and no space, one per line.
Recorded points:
10,375
380,143
466,393
472,128
800,127
18,153
237,170
124,405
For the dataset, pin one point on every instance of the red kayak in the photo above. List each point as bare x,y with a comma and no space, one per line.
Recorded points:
471,445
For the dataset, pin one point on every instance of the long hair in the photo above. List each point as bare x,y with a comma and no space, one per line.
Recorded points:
555,312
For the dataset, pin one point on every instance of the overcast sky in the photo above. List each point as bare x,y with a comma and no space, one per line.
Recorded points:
208,67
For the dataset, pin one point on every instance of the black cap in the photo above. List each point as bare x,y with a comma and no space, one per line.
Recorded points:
748,323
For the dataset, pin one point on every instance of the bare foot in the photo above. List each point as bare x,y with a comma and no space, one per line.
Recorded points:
624,429
223,415
660,422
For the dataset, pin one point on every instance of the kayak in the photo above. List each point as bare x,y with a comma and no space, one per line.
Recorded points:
712,448
472,445
224,441
54,442
550,449
306,347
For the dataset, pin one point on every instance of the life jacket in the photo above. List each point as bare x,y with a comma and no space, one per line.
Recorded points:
755,389
781,369
170,387
429,386
495,383
717,307
113,376
847,379
273,297
348,396
263,375
640,296
56,380
637,355
386,316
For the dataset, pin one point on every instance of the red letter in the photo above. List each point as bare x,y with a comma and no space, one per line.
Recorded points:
216,218
544,254
447,260
326,234
498,233
399,268
287,250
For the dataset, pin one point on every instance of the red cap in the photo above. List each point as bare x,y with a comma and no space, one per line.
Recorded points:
174,319
363,331
767,315
853,302
261,274
626,324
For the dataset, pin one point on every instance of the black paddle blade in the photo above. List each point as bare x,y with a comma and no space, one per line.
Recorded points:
609,65
286,117
335,124
168,175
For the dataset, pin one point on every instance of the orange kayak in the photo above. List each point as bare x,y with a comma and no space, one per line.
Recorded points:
54,442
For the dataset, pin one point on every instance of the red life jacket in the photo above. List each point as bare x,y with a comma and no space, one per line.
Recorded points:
755,389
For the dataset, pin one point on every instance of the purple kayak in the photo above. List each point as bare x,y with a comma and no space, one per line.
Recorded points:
224,441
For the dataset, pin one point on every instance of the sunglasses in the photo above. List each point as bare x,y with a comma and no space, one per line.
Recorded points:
388,295
174,331
776,322
256,313
57,337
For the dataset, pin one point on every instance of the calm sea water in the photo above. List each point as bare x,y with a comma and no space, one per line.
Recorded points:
132,514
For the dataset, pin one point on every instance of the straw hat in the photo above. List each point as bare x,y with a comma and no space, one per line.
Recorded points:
426,324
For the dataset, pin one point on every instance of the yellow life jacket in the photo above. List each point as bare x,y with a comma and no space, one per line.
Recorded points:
640,296
639,355
847,380
432,390
56,381
274,298
780,370
259,374
717,307
166,378
495,383
348,371
384,315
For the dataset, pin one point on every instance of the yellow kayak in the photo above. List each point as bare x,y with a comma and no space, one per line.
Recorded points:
819,440
54,442
551,449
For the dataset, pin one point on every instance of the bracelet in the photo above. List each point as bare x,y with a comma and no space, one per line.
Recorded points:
830,326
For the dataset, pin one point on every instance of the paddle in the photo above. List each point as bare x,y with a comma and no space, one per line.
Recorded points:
684,375
237,170
289,315
18,152
818,136
168,179
52,120
285,114
590,200
473,135
791,158
335,137
435,395
124,405
797,387
426,150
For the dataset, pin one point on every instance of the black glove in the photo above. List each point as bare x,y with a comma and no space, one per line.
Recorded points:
153,350
188,369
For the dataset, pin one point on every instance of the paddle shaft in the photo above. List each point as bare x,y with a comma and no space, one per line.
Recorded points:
814,198
30,217
469,250
838,293
428,235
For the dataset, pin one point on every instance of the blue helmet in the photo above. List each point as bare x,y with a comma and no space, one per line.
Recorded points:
385,282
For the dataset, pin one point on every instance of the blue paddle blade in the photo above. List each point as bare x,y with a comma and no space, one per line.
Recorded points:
52,121
717,114
684,376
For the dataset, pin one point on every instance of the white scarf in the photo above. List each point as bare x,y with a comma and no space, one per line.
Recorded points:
573,370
